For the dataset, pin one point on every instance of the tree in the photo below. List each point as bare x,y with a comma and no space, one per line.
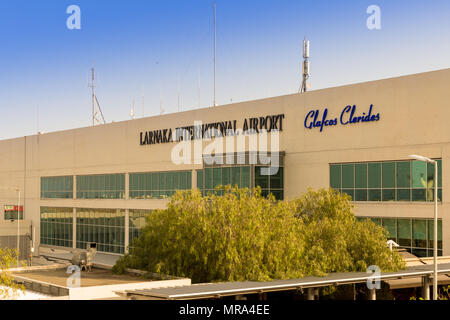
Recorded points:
8,287
241,235
335,241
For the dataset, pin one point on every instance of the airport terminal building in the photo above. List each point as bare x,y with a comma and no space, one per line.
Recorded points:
97,184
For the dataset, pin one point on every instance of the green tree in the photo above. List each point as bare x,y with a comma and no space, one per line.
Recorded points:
335,241
244,236
8,288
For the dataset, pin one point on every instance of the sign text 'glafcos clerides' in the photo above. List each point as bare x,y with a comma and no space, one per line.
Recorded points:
349,115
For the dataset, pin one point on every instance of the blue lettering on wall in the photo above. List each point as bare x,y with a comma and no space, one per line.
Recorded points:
348,115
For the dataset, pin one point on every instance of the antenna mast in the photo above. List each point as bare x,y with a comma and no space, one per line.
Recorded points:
93,95
95,104
214,6
305,66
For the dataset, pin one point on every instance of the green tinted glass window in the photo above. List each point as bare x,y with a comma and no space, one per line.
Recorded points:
348,176
403,174
209,178
57,187
226,176
418,194
420,233
404,232
335,176
403,194
245,177
217,177
388,176
391,226
103,186
361,175
261,180
439,173
276,180
374,174
374,194
361,195
236,176
388,195
419,174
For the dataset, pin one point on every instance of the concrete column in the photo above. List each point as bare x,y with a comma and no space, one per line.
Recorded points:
127,230
194,179
74,228
310,294
127,186
426,287
372,294
74,187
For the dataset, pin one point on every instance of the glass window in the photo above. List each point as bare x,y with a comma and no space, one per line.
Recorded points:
261,180
348,176
403,174
226,176
419,194
404,232
374,194
335,176
361,195
236,176
361,175
419,174
217,177
57,187
391,226
374,173
245,177
200,179
403,194
431,234
419,233
209,179
276,180
439,173
388,194
388,178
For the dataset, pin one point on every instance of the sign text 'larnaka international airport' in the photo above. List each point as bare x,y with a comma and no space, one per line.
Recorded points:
97,184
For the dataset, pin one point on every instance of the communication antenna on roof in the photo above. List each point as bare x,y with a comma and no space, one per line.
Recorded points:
179,94
143,102
198,87
132,111
161,110
96,110
214,6
305,66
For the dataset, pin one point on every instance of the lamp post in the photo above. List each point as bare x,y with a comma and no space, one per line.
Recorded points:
435,277
18,227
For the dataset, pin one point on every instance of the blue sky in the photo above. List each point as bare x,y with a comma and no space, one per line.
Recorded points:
146,48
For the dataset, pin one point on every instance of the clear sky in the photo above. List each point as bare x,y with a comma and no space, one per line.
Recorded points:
153,48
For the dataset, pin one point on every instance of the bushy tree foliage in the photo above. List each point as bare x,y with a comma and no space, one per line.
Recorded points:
335,241
8,288
241,235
